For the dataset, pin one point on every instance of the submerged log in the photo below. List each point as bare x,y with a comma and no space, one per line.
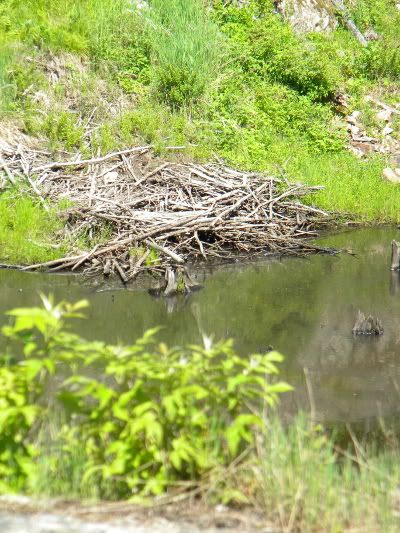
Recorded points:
395,263
367,326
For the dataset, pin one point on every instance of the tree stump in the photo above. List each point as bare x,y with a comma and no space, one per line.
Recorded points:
367,326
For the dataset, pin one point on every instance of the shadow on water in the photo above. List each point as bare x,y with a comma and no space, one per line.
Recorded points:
304,308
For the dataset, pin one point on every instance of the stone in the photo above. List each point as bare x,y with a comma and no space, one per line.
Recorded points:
390,175
371,35
309,15
352,119
387,130
384,115
397,171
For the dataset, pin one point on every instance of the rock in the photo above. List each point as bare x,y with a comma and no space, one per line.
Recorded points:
387,130
371,35
397,171
390,175
309,15
384,115
352,119
354,130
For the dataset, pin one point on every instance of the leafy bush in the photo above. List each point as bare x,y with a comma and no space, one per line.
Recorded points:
155,416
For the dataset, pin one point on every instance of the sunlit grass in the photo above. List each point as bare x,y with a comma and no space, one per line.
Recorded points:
27,230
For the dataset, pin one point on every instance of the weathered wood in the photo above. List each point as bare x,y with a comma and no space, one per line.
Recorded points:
172,284
367,326
8,172
184,211
395,261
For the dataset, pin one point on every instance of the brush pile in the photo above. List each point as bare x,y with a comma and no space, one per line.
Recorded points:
142,215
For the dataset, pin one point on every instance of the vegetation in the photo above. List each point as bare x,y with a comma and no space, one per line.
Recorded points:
26,229
155,418
221,80
194,420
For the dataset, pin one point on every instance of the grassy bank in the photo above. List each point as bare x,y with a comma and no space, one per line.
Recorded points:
164,423
228,82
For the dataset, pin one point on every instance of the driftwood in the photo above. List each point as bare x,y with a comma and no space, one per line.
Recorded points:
395,261
367,326
181,211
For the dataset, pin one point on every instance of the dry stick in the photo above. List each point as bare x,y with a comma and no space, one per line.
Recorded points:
54,262
136,268
120,271
10,175
177,258
93,161
349,22
84,259
36,190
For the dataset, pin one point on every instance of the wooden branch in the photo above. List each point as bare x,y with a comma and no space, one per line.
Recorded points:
177,258
8,172
93,161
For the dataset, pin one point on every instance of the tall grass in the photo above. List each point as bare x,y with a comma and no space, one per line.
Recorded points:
5,85
309,482
186,48
27,230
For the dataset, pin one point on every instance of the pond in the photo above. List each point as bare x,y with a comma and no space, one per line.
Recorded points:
305,308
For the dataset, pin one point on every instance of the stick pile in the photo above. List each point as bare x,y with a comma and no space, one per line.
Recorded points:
144,215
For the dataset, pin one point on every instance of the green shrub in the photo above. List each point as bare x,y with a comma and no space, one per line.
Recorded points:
154,418
62,130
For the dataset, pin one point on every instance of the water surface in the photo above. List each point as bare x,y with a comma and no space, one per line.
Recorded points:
304,308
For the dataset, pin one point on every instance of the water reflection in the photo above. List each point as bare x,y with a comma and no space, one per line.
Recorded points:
304,308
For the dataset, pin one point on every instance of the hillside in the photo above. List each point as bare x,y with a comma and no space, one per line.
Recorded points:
242,82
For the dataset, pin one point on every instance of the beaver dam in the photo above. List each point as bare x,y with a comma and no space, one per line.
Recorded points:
153,216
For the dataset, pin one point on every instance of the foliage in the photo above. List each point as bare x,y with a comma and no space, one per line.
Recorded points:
155,416
235,82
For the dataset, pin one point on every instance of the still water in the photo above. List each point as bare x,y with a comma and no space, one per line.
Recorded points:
305,308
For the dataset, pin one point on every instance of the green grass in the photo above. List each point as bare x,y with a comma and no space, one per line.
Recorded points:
186,49
27,231
309,481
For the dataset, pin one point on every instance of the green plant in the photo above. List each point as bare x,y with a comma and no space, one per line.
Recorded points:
155,418
27,230
186,50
